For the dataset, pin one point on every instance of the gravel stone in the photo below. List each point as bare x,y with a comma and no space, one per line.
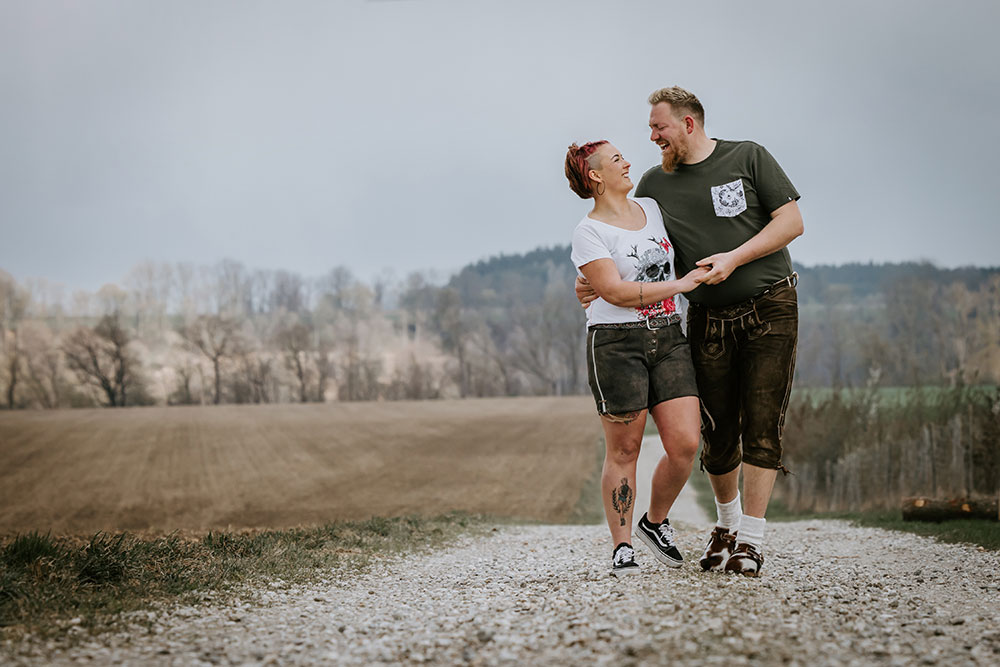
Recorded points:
830,594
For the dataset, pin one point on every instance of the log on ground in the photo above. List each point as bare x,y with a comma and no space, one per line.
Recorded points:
942,509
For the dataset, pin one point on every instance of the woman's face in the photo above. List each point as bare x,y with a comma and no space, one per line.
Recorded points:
607,162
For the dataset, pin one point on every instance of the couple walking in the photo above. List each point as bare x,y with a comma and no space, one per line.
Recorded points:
721,213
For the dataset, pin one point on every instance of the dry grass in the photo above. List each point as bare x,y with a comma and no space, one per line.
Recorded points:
233,467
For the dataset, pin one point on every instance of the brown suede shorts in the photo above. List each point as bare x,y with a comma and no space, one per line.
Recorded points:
634,369
744,359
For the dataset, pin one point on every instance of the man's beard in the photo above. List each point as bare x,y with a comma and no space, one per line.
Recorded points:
673,156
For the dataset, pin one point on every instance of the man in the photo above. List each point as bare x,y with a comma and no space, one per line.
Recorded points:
727,205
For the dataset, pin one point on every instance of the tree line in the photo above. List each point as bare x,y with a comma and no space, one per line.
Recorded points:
506,326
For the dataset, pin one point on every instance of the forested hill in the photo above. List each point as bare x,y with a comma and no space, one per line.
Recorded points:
862,280
525,277
507,279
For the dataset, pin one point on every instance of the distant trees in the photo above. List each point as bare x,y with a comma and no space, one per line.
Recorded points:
100,357
508,326
13,304
215,337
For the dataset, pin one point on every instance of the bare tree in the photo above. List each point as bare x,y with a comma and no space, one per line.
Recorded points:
14,302
232,289
453,329
255,383
289,293
183,393
100,357
215,337
43,366
151,285
325,368
12,353
295,342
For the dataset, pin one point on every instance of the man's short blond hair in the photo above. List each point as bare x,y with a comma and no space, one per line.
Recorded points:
681,102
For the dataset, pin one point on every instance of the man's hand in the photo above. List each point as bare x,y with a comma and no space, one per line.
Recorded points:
584,292
720,266
691,280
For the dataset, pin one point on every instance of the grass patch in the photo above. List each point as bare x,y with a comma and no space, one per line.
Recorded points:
980,532
45,580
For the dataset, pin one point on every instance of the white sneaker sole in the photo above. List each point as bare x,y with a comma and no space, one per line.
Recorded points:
624,571
657,554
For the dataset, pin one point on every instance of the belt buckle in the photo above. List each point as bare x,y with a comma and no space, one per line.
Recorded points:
651,328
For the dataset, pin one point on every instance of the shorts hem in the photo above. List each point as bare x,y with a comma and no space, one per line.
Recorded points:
722,472
619,412
770,465
680,395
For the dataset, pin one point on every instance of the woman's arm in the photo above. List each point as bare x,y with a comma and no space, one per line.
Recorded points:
603,276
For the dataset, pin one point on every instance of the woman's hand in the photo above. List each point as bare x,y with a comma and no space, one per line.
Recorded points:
584,292
692,279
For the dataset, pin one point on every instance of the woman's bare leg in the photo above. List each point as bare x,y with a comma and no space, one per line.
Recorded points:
622,438
678,422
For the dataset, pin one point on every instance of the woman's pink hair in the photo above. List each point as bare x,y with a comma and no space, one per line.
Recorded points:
577,166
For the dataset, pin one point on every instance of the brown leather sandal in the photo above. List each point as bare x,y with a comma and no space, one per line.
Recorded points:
717,551
746,560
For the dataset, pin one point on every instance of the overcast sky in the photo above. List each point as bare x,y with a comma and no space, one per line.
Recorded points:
427,134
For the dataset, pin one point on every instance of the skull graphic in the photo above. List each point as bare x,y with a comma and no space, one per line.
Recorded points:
653,265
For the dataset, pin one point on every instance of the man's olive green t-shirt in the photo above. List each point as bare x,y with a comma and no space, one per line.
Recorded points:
717,205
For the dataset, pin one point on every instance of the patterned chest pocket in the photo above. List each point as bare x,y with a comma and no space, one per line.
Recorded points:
729,199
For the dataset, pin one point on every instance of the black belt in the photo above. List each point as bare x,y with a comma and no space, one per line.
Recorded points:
651,324
787,281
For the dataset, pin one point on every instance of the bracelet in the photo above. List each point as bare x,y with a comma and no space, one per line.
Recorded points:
640,295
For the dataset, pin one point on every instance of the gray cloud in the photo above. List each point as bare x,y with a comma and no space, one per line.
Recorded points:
429,134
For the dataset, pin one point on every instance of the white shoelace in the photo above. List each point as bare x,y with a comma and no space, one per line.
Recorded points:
624,554
667,532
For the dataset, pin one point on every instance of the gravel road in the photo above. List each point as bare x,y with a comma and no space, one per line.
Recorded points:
831,594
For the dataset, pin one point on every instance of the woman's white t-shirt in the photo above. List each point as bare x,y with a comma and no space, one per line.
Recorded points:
643,255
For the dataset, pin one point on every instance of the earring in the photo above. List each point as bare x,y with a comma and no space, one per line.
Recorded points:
600,189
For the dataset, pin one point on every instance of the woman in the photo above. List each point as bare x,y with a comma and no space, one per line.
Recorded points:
638,360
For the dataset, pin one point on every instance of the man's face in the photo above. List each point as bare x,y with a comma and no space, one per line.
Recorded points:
670,134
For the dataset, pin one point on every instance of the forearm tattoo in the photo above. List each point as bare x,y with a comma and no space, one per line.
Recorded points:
621,499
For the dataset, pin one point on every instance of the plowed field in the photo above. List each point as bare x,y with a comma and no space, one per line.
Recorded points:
276,466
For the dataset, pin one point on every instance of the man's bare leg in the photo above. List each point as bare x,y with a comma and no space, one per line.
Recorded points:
757,486
747,558
726,486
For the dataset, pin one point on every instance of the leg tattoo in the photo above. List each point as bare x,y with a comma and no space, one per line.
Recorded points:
621,499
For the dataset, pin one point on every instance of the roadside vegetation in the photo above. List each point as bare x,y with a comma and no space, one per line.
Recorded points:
47,582
980,532
866,449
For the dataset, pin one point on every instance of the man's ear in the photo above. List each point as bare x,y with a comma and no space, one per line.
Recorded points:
688,124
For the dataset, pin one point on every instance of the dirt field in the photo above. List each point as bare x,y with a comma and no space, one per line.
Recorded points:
164,469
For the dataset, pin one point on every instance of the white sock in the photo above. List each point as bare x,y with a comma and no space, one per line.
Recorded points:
752,531
729,514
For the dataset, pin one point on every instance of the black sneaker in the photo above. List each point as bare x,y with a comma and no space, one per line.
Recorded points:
623,560
659,537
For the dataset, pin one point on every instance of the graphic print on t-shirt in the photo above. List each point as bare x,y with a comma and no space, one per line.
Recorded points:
652,266
729,199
